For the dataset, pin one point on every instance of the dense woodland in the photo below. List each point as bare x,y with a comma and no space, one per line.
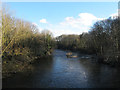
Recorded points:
103,40
22,43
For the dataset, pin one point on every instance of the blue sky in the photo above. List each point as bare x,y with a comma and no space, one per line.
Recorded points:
63,17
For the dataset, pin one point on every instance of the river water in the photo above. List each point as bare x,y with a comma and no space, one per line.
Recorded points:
62,72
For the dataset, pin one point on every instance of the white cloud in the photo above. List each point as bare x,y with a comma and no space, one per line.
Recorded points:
39,28
43,21
35,24
80,24
84,19
72,25
114,14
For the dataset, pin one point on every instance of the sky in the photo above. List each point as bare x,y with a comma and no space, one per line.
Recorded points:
63,17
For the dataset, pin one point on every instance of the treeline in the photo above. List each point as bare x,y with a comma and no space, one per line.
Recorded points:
103,40
22,44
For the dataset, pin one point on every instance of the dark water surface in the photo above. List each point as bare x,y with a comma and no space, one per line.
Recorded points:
62,72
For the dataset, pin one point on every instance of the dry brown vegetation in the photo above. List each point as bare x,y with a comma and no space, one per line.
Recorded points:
103,40
22,43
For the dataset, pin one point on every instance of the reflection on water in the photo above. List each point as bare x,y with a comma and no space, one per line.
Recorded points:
62,72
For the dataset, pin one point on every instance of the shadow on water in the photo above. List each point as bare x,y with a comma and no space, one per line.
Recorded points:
30,79
62,72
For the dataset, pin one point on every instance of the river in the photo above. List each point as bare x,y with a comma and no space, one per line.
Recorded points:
62,72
